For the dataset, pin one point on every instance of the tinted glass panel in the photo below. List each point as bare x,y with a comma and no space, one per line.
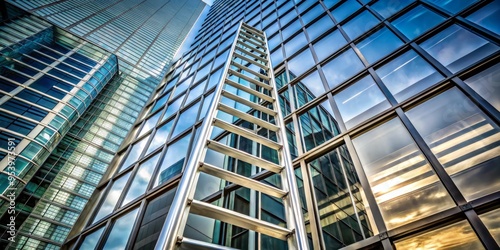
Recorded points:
458,236
463,139
360,24
318,125
319,27
309,88
453,6
387,8
300,63
378,45
417,21
360,101
118,237
174,160
342,68
492,222
141,179
457,48
91,240
488,16
112,197
407,75
346,9
486,84
329,44
401,179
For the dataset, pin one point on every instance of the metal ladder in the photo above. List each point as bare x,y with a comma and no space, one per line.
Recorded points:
249,48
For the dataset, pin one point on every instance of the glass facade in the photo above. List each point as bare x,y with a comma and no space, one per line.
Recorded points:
390,113
72,153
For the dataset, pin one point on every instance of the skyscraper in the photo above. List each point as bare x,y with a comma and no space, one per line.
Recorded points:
391,114
57,172
391,110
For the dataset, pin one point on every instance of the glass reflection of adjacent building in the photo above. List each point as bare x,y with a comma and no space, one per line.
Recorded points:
391,110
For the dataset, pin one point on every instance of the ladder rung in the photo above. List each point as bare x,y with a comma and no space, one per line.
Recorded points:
242,180
251,54
249,35
247,117
250,104
255,47
239,219
248,78
250,91
246,133
255,73
244,156
251,61
190,244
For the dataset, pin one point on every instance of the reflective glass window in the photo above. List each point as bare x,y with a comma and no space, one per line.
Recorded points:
196,92
109,203
379,44
141,179
417,21
319,27
308,88
300,63
486,84
360,24
329,44
296,43
342,68
281,79
407,75
277,57
174,160
360,101
457,48
453,6
150,123
160,137
318,125
458,236
331,177
488,16
91,240
172,108
402,181
311,14
291,29
135,152
330,3
120,232
387,8
463,139
492,221
186,119
344,10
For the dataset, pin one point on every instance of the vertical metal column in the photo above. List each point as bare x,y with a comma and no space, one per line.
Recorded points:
249,47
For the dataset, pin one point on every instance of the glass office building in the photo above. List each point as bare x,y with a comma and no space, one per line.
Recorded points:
67,169
391,109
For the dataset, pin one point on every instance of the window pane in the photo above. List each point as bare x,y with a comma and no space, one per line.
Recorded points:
488,16
457,48
387,8
319,27
174,160
487,85
453,6
135,152
401,179
120,233
160,137
91,240
360,101
407,75
150,123
331,177
378,45
309,88
318,125
342,68
417,21
312,13
297,42
186,119
492,222
300,63
112,197
458,236
360,24
463,139
277,57
329,44
141,179
346,9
